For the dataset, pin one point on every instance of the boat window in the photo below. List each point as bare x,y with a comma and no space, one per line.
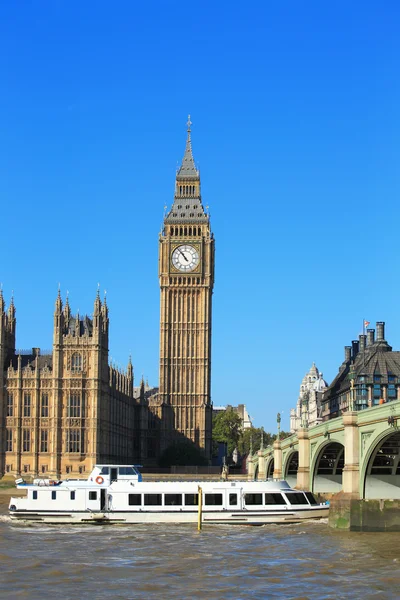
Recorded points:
296,498
105,471
126,471
134,499
92,495
72,495
311,498
213,499
173,500
34,495
253,498
274,499
152,499
233,500
191,499
53,495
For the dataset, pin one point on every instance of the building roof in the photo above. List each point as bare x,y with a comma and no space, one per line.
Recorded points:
378,359
187,206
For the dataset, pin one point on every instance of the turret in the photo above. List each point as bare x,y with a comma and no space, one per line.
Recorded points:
58,320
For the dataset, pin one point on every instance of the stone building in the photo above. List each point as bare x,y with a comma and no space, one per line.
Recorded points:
64,410
182,408
308,411
61,411
369,375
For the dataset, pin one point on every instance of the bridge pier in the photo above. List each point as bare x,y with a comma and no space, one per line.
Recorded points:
277,459
261,466
303,472
351,471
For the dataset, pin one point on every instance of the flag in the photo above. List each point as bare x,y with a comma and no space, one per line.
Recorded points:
366,323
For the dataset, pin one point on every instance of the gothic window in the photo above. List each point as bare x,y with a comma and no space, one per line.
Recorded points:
9,440
392,392
44,410
195,206
187,206
74,406
10,405
181,231
44,438
27,405
76,363
74,441
191,215
190,229
180,190
179,206
26,440
185,230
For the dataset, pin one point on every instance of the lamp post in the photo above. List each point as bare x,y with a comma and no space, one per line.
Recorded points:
278,420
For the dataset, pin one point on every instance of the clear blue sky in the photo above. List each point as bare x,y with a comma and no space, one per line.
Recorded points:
295,110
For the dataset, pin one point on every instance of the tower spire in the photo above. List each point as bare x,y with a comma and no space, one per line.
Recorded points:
188,168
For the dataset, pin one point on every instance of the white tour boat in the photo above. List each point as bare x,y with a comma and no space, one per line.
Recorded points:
117,494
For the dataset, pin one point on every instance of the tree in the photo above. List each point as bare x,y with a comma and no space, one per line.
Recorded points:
183,453
227,427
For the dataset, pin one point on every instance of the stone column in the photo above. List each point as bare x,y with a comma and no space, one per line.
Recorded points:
303,473
351,472
250,468
277,459
261,466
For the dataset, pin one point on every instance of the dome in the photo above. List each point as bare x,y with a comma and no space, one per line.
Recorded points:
320,385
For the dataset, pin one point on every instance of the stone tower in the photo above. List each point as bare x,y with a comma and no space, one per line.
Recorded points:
186,273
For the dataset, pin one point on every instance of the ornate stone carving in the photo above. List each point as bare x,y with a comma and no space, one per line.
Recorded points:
364,441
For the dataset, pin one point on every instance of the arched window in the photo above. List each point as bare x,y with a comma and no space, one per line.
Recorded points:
185,231
76,362
181,231
190,231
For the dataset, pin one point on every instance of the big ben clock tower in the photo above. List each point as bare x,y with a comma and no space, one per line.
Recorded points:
186,272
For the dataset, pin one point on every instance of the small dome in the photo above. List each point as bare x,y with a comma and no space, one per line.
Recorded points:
320,384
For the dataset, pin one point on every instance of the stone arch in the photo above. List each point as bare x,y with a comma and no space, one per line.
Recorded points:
290,468
269,468
327,468
380,474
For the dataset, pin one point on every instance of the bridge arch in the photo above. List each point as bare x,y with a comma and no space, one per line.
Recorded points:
290,468
380,472
327,467
269,468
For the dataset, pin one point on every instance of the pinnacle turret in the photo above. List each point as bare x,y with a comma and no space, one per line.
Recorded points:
59,303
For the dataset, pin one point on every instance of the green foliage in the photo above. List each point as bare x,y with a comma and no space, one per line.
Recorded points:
227,427
182,453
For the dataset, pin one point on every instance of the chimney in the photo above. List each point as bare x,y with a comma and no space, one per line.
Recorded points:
347,353
355,347
370,336
363,342
380,331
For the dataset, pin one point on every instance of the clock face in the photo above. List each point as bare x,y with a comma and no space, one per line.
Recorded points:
185,258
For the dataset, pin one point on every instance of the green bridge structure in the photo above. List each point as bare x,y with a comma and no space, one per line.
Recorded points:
353,459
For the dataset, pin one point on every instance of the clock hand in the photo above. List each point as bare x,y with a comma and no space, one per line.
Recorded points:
183,255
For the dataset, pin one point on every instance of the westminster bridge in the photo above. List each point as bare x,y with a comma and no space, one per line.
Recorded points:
357,453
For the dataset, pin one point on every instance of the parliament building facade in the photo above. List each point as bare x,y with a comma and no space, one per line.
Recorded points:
64,410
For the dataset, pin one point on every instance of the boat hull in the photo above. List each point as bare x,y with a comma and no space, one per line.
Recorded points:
245,517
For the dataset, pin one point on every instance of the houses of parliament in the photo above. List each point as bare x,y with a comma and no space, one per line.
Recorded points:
65,410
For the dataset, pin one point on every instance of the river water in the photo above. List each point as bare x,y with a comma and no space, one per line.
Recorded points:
300,561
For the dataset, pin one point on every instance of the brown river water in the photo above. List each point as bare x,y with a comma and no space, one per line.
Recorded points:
306,560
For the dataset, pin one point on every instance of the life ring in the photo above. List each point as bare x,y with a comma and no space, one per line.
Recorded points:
99,480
